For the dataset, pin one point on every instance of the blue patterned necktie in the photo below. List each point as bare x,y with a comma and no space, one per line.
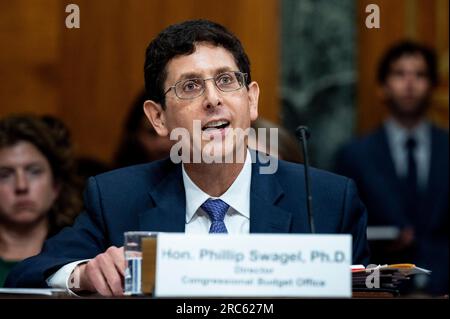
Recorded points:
216,209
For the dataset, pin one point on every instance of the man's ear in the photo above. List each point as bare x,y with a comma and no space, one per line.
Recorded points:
156,116
253,96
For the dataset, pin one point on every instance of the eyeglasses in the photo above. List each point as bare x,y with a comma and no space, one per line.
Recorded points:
192,88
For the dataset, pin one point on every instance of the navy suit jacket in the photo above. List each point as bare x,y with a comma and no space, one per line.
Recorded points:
151,197
369,162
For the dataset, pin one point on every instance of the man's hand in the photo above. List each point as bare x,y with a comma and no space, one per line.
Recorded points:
104,274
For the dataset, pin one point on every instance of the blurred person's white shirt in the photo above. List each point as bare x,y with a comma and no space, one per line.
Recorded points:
397,136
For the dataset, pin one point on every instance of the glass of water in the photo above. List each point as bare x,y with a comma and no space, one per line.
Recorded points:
133,259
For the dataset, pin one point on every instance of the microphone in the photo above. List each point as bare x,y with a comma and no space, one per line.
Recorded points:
302,132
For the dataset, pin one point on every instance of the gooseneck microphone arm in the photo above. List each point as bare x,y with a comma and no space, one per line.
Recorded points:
303,134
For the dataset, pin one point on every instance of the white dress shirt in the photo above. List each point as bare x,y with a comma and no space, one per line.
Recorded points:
397,136
237,218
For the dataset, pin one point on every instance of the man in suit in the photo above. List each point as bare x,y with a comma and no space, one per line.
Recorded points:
194,71
401,169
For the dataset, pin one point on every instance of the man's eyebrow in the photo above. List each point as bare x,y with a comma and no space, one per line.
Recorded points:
223,69
189,75
194,75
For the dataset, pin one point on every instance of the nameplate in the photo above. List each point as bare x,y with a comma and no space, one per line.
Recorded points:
253,265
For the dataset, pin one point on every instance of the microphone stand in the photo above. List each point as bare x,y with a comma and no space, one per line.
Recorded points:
303,134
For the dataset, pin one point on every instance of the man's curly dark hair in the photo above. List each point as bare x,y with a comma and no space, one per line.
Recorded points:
180,39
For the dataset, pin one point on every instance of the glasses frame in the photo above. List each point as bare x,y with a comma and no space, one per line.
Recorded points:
244,80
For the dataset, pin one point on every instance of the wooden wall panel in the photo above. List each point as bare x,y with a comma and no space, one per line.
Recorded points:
89,76
29,37
425,21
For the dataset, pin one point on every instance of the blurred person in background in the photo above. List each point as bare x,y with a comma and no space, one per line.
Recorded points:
39,191
140,143
401,169
288,147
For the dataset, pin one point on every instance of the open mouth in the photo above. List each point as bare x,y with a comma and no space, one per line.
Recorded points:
215,125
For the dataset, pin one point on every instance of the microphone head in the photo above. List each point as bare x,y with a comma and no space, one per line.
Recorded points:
300,130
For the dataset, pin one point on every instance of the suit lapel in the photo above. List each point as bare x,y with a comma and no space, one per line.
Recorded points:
265,191
434,180
168,204
435,163
392,186
383,153
385,165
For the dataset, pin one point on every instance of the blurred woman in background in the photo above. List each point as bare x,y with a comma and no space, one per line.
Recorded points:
39,191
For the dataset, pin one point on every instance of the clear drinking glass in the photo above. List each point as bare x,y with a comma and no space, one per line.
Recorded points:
133,259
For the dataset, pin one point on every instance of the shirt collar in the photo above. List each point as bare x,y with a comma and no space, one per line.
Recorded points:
237,195
399,134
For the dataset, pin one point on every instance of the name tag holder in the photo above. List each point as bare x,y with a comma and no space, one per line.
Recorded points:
255,265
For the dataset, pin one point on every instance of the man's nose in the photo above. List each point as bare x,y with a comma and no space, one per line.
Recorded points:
411,80
21,183
213,97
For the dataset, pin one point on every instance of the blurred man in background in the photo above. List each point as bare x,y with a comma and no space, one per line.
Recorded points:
401,169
